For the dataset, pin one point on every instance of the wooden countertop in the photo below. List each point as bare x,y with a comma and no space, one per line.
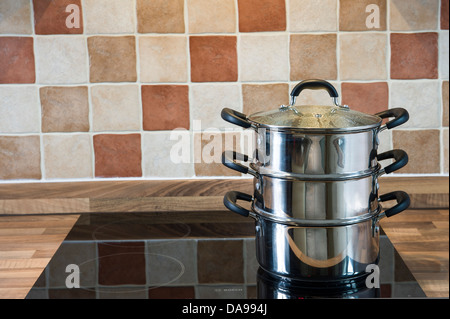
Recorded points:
36,217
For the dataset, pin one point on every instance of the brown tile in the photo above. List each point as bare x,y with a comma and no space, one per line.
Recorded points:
213,59
64,109
165,107
171,292
445,93
220,261
16,17
414,15
444,14
264,97
208,149
50,17
423,148
369,98
313,56
262,15
17,58
20,157
117,155
112,59
160,16
353,15
414,56
121,263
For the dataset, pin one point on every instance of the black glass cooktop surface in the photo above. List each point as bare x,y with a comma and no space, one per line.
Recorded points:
189,255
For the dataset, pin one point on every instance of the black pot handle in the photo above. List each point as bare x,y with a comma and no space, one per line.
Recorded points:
230,200
314,85
400,157
229,158
235,117
401,116
403,202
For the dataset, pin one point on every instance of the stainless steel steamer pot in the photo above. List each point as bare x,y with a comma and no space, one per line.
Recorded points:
293,196
316,140
317,250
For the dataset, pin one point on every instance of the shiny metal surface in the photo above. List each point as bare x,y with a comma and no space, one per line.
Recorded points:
315,154
320,200
316,253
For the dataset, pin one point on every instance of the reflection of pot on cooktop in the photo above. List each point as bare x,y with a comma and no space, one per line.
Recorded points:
151,255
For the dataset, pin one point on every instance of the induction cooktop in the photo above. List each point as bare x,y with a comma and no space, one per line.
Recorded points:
190,255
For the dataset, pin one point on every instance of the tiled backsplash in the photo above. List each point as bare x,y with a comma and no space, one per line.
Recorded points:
94,88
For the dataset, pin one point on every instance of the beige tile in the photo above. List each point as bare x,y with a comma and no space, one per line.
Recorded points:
208,100
19,109
163,59
423,150
422,101
64,109
363,56
160,16
313,56
312,15
167,154
215,16
360,15
414,15
61,60
115,108
20,157
109,16
445,149
264,97
444,55
445,93
263,58
15,17
67,156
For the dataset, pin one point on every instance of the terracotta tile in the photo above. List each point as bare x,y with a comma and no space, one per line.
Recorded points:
117,155
445,94
109,16
312,15
61,60
16,17
213,59
208,149
165,107
50,17
208,100
17,58
121,263
19,109
112,59
186,292
423,150
421,99
414,15
167,154
363,56
65,109
220,261
445,151
116,108
313,56
211,16
269,50
20,157
444,14
354,15
160,16
262,15
264,97
67,156
163,59
444,55
414,56
369,98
